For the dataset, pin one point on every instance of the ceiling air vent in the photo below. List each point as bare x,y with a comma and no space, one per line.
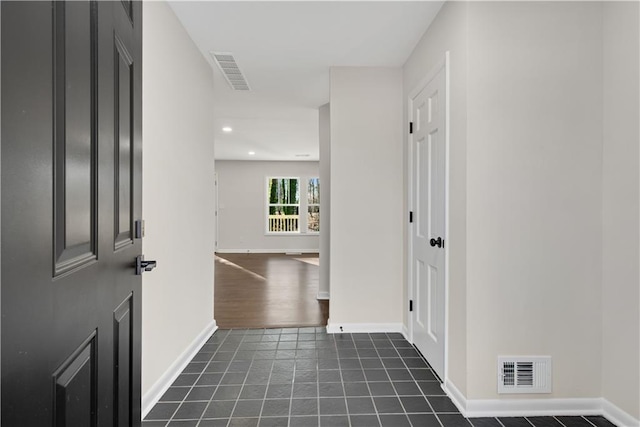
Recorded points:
530,374
227,64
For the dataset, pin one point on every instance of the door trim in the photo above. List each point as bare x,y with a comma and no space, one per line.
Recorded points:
444,63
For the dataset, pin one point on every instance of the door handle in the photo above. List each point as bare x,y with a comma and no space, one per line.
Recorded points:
437,242
142,265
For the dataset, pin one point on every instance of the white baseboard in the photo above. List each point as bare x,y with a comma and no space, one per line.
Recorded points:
473,408
405,332
533,407
455,395
323,296
617,415
267,251
154,394
363,327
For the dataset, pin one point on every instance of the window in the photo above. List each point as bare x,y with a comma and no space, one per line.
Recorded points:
284,205
286,209
313,205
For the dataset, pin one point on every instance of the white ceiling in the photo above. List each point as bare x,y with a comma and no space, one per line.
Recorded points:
285,50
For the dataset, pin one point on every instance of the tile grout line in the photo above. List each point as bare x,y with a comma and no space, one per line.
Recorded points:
588,420
346,403
422,393
334,347
318,384
420,356
293,378
225,373
266,390
204,370
367,382
184,399
388,376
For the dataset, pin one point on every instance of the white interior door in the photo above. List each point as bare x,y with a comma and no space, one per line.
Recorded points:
428,228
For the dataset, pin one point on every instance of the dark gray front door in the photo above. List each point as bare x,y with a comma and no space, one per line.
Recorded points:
71,192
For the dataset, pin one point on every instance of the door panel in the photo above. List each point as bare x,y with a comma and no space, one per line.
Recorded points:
421,278
74,100
123,355
422,169
428,201
76,390
71,189
433,327
124,158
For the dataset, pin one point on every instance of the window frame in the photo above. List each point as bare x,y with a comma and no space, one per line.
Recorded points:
268,205
303,206
308,205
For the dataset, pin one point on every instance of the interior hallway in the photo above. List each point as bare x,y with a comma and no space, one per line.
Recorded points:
268,291
304,377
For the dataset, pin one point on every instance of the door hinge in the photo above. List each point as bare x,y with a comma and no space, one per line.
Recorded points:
410,216
410,127
410,305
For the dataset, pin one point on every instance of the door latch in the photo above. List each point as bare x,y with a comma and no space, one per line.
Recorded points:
138,227
142,265
436,242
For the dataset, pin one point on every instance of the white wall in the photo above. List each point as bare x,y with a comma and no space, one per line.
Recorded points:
324,128
448,32
621,212
366,196
545,193
534,185
242,206
178,173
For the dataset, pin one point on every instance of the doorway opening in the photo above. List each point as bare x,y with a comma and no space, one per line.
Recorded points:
267,270
268,290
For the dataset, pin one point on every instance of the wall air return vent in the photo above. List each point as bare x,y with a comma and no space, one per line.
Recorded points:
528,374
227,64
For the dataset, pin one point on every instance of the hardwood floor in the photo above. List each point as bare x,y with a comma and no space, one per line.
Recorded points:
267,291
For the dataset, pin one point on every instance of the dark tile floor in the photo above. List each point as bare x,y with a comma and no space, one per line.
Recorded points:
305,377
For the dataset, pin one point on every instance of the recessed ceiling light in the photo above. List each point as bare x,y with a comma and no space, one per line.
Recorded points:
252,153
226,129
302,155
